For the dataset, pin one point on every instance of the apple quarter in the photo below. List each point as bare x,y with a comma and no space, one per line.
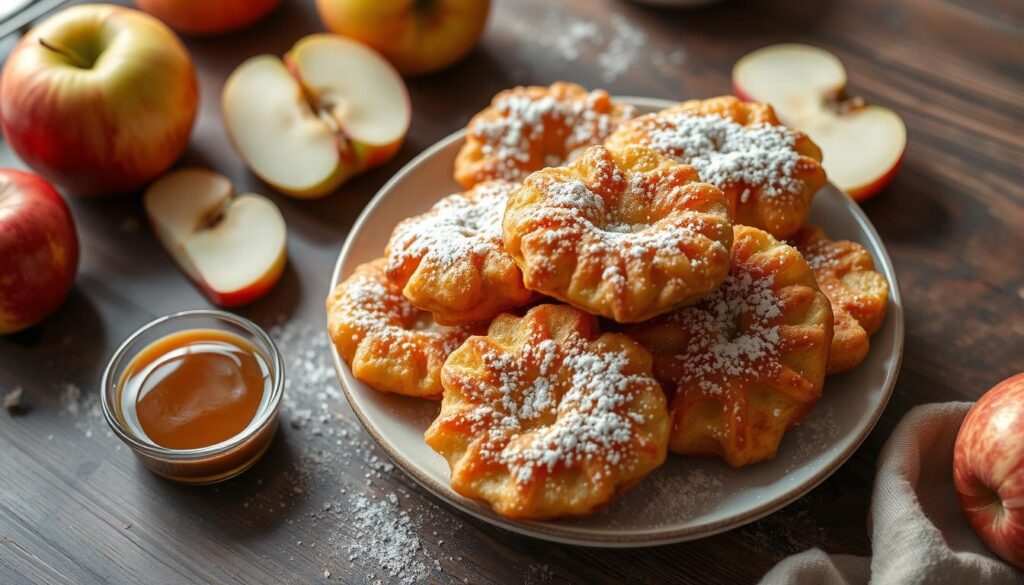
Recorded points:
233,247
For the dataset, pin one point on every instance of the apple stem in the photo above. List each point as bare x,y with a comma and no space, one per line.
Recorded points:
67,53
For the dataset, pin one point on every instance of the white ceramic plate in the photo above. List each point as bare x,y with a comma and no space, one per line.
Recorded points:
686,498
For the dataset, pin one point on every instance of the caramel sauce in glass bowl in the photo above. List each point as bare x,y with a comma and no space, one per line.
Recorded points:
195,395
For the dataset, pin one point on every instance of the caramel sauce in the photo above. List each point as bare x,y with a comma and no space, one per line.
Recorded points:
194,388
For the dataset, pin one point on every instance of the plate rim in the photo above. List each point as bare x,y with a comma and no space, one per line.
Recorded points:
554,532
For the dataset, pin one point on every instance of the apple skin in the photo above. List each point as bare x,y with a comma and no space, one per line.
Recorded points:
859,194
207,17
739,93
417,36
342,130
252,292
862,194
108,128
38,250
988,469
345,171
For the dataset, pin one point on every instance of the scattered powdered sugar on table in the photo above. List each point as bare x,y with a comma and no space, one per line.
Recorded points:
310,388
389,536
373,526
617,47
575,34
624,46
538,574
762,158
84,410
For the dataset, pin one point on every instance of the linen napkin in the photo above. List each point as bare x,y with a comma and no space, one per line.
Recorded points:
919,534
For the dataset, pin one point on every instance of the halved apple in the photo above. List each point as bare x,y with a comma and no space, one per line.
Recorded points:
333,108
862,145
234,248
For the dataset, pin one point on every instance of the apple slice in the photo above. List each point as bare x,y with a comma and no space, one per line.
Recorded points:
332,109
234,248
862,145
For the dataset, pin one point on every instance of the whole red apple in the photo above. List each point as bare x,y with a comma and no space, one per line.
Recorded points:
38,250
98,98
207,17
988,468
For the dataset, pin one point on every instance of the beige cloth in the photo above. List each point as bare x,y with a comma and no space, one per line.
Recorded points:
919,534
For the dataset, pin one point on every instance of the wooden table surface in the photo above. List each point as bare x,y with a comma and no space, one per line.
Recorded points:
75,507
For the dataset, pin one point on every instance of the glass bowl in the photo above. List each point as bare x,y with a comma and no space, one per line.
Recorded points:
216,462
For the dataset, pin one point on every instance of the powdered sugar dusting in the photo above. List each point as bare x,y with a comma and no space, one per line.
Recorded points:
583,390
357,523
618,45
519,136
456,227
369,307
820,252
627,44
589,423
816,434
84,410
671,496
725,153
733,333
389,537
575,220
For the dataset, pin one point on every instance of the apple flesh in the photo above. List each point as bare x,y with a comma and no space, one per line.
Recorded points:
862,145
417,36
38,250
99,99
988,469
332,109
233,248
207,17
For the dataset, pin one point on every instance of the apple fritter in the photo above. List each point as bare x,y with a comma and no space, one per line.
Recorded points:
747,363
768,172
529,128
546,417
624,234
390,345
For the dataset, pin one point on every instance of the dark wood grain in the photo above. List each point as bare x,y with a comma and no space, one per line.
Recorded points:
76,509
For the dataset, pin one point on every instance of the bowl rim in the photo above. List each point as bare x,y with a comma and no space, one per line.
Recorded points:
552,531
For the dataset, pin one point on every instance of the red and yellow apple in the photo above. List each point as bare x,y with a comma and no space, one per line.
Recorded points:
233,247
38,250
418,36
333,108
99,99
988,468
862,144
207,17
